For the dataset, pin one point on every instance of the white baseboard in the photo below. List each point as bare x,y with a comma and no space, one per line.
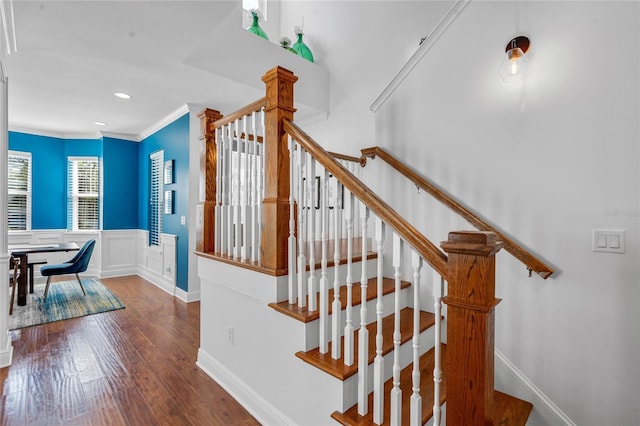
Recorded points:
6,356
264,412
520,386
118,272
187,297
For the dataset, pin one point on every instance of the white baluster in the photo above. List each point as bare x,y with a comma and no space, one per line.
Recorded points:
416,399
229,190
224,216
378,363
313,281
236,192
292,226
324,280
245,225
218,227
396,392
363,333
302,213
348,329
261,185
438,291
336,311
254,188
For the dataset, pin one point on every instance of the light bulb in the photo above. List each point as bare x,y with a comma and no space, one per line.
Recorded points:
514,65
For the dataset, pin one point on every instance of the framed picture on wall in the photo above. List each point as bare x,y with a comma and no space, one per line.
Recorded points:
168,202
168,172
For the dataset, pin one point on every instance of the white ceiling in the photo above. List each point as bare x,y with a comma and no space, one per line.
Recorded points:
73,55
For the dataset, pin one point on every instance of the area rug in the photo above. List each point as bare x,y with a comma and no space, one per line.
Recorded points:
65,300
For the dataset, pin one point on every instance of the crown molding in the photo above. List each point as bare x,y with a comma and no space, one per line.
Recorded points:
52,134
425,46
8,27
184,109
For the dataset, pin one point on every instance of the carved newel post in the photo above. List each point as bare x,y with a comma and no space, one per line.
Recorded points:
205,233
275,206
470,327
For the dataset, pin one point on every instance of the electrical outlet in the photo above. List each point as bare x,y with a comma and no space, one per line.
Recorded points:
230,335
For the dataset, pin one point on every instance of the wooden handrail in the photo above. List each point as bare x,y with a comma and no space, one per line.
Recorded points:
339,156
519,252
262,102
425,248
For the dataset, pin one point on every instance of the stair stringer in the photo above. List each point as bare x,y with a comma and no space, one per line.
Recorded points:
259,368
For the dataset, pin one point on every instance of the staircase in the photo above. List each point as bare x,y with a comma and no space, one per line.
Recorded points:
508,410
277,204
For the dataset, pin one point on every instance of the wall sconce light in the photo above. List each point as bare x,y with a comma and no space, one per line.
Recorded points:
514,66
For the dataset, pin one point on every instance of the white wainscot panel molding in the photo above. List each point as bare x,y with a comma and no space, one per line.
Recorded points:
158,263
119,253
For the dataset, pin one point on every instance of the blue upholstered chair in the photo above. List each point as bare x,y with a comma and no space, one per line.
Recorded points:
77,264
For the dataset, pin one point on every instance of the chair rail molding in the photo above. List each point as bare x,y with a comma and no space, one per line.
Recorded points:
425,46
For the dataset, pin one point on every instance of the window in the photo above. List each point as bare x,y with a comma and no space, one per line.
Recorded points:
19,191
156,174
83,199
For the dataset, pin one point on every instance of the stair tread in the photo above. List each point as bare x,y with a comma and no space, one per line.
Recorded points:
338,369
351,416
304,315
508,410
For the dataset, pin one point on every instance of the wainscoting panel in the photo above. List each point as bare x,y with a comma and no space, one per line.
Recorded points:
116,253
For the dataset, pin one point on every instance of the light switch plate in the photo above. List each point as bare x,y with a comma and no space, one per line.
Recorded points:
608,240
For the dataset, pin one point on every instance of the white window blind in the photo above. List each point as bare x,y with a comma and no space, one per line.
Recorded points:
83,209
156,172
19,191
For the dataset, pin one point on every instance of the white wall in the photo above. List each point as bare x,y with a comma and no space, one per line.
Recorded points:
548,159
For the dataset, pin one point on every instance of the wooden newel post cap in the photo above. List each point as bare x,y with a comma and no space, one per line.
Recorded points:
478,243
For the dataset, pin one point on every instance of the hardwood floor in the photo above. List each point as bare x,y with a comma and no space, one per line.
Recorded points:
134,366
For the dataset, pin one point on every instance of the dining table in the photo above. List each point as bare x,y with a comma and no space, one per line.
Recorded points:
22,251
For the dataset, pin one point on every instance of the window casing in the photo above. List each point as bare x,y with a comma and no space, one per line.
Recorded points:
19,191
83,199
156,173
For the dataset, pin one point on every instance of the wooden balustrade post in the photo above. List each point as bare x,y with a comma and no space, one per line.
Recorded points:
275,206
205,235
470,327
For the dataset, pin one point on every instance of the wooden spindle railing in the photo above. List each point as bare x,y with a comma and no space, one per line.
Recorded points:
285,184
532,262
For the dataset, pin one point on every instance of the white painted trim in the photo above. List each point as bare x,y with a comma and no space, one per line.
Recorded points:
259,408
48,133
8,25
426,45
159,125
184,109
6,357
539,400
187,297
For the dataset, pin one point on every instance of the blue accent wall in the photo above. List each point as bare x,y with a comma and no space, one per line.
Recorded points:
125,181
174,140
48,178
120,184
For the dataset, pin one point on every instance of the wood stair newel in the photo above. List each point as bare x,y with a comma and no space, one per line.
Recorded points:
471,327
275,211
205,234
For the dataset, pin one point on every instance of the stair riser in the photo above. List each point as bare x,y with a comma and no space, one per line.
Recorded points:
350,389
313,328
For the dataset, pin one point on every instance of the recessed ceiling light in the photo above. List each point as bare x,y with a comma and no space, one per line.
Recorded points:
100,123
122,95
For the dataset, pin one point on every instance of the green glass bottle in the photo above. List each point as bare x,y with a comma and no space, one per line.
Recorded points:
255,26
302,49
